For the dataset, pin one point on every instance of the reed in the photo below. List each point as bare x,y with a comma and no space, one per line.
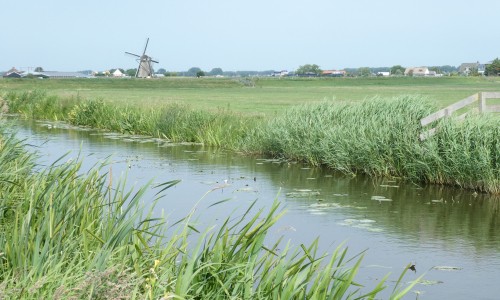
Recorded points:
373,136
175,122
37,104
377,136
464,153
66,234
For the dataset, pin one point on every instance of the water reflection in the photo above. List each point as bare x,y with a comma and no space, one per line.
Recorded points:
399,223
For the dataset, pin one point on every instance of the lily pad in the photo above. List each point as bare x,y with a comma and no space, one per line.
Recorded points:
246,189
428,282
301,194
389,186
365,224
381,198
316,211
367,221
446,268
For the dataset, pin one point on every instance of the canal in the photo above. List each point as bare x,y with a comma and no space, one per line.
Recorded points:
452,236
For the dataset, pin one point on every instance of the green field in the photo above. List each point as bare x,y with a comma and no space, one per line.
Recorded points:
353,125
254,95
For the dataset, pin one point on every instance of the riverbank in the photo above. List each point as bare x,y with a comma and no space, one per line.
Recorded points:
377,136
65,235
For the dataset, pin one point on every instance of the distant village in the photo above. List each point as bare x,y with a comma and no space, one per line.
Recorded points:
465,69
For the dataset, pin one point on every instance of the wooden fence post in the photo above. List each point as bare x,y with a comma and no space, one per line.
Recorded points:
450,109
482,103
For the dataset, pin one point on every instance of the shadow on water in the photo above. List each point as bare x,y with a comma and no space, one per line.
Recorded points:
452,235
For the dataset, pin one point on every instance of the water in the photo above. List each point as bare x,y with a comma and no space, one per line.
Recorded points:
452,236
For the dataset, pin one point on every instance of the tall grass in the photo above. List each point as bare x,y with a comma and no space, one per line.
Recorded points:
377,136
65,234
176,122
380,137
463,153
374,136
38,104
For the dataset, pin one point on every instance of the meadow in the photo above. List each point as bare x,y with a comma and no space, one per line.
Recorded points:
262,96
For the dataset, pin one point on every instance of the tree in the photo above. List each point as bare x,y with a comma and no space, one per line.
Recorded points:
131,72
447,69
200,74
397,70
216,71
364,72
493,69
161,71
309,69
38,69
193,71
436,69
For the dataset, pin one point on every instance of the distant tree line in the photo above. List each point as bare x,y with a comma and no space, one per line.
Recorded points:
198,72
492,69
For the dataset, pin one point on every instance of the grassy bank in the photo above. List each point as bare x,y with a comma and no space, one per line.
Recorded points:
64,235
254,96
376,136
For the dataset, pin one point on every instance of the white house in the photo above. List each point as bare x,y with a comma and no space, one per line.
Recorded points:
468,68
280,73
118,73
418,71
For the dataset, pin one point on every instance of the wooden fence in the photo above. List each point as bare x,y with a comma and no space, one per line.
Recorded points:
448,111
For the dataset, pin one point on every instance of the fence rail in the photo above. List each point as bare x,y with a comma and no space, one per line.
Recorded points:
448,111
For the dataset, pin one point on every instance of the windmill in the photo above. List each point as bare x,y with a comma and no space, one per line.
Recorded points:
145,68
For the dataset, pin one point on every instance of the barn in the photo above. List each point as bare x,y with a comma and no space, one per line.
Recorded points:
55,74
13,73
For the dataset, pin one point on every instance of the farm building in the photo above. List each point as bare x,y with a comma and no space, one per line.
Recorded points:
280,73
333,73
55,74
13,73
419,71
468,68
118,73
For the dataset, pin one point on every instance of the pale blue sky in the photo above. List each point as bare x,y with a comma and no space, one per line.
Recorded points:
247,35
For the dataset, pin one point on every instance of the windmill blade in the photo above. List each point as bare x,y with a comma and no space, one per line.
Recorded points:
145,68
155,61
132,54
147,41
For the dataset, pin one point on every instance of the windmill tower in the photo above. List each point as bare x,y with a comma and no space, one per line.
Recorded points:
145,68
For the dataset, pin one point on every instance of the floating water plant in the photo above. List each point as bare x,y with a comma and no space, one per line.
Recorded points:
302,193
446,268
381,198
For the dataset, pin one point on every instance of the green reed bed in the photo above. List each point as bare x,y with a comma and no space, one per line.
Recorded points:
380,137
66,234
464,153
175,122
377,136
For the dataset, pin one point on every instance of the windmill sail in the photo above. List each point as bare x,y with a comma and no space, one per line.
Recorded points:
145,69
